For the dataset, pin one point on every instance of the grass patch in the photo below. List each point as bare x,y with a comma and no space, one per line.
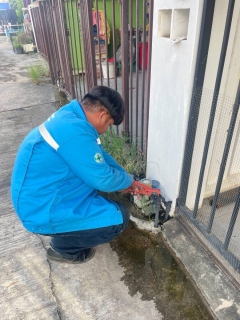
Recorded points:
37,71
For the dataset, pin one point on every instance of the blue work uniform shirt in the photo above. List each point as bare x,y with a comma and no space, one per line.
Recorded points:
55,190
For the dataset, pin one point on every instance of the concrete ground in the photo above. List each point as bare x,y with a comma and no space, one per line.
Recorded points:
32,287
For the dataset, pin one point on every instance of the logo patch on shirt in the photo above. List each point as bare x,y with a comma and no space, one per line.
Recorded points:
98,158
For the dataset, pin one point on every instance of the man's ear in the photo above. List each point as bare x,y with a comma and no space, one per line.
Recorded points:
102,114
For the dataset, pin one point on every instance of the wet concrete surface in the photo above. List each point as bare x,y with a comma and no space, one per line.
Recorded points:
149,268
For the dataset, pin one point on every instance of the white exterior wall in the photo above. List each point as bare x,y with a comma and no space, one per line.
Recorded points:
172,73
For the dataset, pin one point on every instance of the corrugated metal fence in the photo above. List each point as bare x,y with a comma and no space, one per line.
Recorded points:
105,42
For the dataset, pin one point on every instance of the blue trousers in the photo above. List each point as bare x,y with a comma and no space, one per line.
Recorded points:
69,244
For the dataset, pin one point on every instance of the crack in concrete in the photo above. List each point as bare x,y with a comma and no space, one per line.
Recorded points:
51,281
61,103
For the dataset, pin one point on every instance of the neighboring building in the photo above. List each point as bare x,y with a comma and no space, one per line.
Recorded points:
4,4
7,15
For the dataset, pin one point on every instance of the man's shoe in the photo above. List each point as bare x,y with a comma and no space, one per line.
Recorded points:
84,256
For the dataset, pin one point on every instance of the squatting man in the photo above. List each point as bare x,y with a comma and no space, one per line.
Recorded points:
59,170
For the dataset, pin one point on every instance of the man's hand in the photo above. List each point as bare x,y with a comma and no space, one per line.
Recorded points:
141,189
132,188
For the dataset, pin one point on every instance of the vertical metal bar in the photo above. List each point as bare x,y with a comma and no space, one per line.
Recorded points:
89,52
225,156
149,61
120,14
143,71
34,22
214,102
131,71
201,62
76,30
98,42
44,49
35,12
232,221
80,73
54,47
137,63
56,66
48,10
66,51
69,35
59,44
114,43
33,27
81,50
38,28
42,15
73,45
83,13
125,75
106,39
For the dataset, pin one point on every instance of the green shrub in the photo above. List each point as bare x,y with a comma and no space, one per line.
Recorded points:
16,44
128,155
24,38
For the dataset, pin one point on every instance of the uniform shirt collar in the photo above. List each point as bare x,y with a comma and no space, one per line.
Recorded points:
77,107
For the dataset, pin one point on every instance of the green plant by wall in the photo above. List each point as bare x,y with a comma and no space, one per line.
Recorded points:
24,38
17,5
128,155
132,159
35,72
16,44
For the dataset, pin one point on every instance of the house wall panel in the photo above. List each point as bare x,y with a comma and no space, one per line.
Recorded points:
173,66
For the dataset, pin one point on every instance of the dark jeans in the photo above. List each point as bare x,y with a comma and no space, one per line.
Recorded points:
69,244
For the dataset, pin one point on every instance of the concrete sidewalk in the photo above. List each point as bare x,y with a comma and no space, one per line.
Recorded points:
32,287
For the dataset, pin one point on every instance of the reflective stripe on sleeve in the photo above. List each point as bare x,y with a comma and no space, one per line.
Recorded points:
47,137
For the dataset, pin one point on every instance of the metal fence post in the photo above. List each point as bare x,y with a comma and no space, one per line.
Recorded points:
125,57
89,50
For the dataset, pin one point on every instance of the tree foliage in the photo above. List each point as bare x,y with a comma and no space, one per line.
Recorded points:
17,5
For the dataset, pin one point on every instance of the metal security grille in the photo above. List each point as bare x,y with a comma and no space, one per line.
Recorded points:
50,32
104,42
215,213
211,200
